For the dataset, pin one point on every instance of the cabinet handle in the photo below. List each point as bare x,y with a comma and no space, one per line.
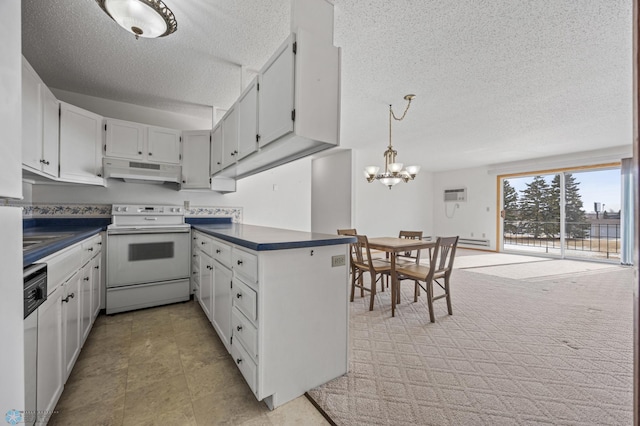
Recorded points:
66,299
140,152
184,181
150,154
218,251
239,262
203,242
238,295
218,163
210,267
194,272
97,267
238,361
100,243
90,249
86,278
239,328
194,255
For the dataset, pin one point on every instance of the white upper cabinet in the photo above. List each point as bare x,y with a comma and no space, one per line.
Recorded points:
248,120
124,139
297,98
276,94
163,145
230,136
80,145
135,141
195,159
216,149
40,111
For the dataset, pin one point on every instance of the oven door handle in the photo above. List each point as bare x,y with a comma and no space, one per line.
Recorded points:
154,230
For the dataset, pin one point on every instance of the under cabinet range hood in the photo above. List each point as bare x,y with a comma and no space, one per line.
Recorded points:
138,172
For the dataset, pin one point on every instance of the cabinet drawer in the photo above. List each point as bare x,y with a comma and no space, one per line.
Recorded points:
62,265
221,252
204,244
245,332
247,367
246,264
90,248
245,299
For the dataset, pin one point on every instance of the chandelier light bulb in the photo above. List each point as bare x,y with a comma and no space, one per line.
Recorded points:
413,170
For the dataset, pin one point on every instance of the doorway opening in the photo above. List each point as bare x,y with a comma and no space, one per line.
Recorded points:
568,214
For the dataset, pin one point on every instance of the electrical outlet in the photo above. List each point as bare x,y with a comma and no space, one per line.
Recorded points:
338,260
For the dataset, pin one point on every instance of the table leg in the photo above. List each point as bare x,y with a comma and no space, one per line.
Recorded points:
394,284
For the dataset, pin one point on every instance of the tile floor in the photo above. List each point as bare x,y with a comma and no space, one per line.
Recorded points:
164,366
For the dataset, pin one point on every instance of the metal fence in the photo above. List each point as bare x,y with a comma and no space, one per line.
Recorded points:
598,239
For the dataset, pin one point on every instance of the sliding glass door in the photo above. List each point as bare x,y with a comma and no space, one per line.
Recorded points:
569,214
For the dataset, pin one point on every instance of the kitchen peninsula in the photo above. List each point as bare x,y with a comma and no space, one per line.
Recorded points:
278,300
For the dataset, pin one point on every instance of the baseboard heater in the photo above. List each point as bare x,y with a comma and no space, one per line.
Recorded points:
476,242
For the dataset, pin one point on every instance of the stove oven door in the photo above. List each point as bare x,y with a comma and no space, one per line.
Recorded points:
139,257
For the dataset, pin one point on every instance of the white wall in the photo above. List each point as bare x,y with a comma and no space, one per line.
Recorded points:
331,192
280,197
475,218
136,113
11,306
383,212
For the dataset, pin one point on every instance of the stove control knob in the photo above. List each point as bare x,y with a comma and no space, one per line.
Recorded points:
126,209
117,209
178,209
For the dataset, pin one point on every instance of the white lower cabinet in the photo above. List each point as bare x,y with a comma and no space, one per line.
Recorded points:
205,280
66,317
50,354
222,302
282,315
71,323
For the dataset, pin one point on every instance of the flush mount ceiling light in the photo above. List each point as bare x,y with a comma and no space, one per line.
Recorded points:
142,18
393,172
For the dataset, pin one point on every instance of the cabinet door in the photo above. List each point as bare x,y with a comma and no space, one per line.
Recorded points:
230,136
124,139
163,145
248,120
96,286
50,132
71,322
216,149
195,159
275,107
85,301
206,282
222,302
31,117
80,145
50,353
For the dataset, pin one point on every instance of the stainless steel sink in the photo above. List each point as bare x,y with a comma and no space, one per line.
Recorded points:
33,241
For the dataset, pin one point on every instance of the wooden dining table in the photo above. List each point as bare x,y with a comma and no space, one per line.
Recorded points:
393,246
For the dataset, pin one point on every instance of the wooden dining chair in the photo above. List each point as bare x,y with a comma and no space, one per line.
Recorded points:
438,271
363,264
409,257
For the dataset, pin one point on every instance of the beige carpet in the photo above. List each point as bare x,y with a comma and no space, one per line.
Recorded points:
552,350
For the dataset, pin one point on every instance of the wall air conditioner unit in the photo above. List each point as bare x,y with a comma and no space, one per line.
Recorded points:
455,194
137,172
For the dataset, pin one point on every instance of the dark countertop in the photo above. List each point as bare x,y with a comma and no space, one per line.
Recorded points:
69,235
261,238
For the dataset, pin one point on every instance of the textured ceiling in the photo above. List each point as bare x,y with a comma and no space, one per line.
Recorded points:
496,80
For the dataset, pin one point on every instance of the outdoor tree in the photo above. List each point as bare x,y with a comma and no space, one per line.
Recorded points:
534,206
573,209
510,200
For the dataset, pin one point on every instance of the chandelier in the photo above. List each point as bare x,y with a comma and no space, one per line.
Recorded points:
142,18
393,172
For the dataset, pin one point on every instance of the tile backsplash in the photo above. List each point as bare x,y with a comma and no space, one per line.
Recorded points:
60,210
